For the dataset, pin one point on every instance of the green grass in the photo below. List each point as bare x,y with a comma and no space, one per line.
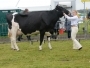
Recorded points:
61,56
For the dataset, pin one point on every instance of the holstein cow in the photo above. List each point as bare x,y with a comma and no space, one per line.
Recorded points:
43,21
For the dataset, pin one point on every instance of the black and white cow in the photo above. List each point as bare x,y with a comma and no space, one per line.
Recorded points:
43,21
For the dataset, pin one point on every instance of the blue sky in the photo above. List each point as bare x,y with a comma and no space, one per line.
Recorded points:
33,3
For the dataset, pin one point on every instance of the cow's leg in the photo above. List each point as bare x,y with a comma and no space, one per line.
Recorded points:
19,37
48,38
49,44
41,39
13,38
12,45
10,35
29,39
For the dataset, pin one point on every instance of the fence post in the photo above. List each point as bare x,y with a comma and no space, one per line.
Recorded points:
85,24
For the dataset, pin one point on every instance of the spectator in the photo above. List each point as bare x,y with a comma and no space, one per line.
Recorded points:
68,27
56,32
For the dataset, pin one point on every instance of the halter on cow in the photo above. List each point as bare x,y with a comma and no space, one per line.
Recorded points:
43,21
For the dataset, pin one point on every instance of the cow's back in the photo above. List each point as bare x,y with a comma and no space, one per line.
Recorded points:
30,22
35,20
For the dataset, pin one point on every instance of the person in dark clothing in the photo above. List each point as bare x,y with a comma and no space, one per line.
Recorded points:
68,27
56,32
56,28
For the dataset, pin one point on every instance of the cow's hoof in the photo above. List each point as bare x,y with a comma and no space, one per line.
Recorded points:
40,48
13,48
80,48
50,48
17,49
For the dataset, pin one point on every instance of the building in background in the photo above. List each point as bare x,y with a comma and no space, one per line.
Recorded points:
69,4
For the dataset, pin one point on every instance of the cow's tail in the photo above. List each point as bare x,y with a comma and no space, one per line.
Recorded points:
9,30
14,16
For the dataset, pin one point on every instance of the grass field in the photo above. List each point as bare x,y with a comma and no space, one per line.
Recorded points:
61,56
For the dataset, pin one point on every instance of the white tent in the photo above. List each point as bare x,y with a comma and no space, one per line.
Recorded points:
8,4
32,5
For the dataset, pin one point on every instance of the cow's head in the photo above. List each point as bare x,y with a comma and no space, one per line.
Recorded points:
61,9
